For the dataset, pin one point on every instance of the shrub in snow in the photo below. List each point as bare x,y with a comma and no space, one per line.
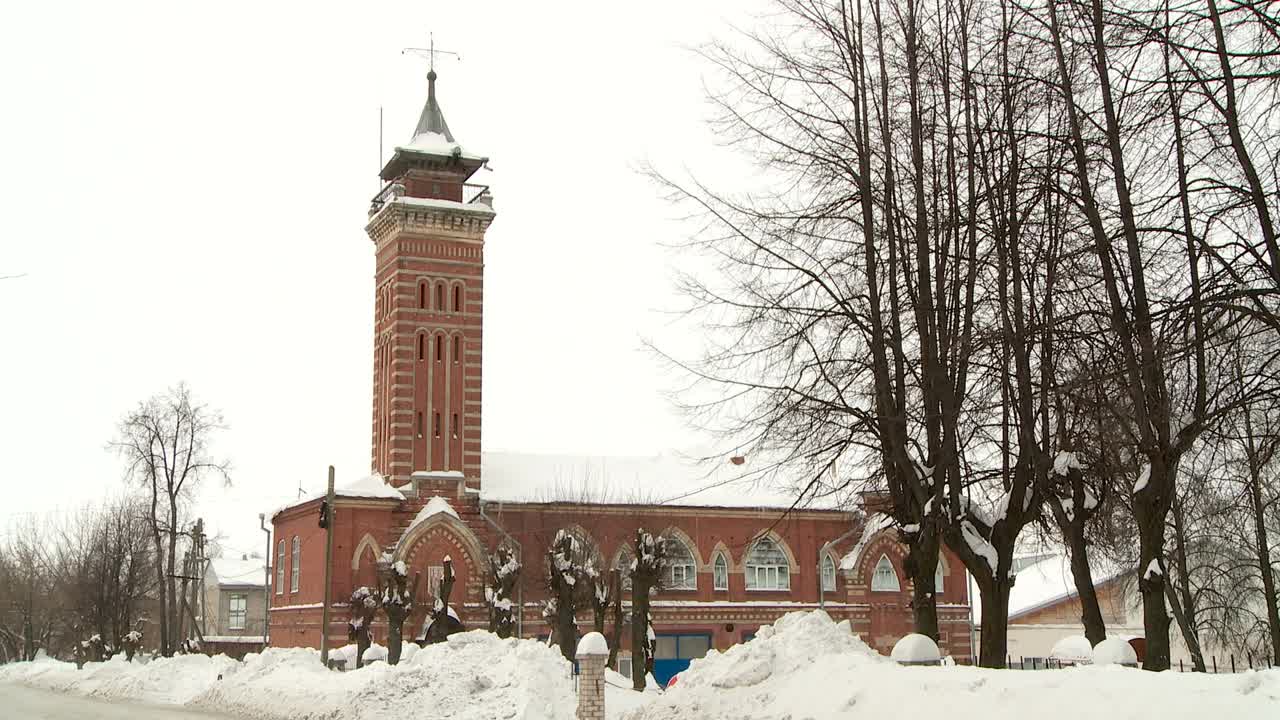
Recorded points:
130,643
364,608
916,649
1114,651
1073,650
504,574
397,603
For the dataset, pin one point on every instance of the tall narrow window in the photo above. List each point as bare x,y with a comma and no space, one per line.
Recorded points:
419,423
454,426
457,298
280,568
457,348
422,296
436,425
422,347
440,296
296,570
720,573
938,575
885,578
828,574
439,348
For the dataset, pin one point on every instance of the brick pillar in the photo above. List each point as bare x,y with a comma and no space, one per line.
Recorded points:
593,653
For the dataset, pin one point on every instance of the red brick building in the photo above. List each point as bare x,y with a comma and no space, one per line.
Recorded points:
734,568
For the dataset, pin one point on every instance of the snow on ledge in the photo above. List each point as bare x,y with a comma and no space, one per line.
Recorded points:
434,506
593,643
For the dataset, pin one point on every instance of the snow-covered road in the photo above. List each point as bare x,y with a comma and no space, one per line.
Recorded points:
17,701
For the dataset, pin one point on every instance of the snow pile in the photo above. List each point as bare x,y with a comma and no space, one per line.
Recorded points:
473,676
807,667
916,648
1114,651
175,680
1073,649
593,643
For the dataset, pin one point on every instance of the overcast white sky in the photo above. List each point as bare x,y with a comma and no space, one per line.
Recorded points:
185,186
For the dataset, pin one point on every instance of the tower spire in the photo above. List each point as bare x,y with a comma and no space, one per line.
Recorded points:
432,118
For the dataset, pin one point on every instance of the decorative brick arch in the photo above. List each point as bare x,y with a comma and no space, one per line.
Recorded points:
365,574
722,549
585,537
885,543
463,538
365,542
793,566
683,537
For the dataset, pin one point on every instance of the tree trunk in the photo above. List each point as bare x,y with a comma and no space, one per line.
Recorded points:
640,652
1095,628
615,596
1155,616
1262,546
994,642
922,559
171,564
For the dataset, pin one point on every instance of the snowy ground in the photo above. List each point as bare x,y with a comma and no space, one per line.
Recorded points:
35,704
804,667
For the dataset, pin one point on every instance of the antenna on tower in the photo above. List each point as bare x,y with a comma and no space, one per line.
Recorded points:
430,52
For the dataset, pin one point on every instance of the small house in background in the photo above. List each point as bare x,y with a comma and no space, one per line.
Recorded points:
235,601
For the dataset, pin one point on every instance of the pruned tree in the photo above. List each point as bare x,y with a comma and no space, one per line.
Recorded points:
364,608
166,443
397,603
504,577
648,569
567,580
442,621
615,594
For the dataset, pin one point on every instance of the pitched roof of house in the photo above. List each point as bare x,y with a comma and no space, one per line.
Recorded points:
237,571
1047,581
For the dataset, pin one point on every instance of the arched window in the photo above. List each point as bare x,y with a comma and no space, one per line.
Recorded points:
296,570
828,574
622,563
453,427
885,578
440,296
939,573
720,572
457,348
422,347
682,569
422,296
439,348
457,298
766,567
280,568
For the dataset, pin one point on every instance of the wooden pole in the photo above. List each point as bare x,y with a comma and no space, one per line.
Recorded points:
328,570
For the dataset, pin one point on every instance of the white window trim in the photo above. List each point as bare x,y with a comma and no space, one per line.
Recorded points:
295,572
828,561
875,573
279,573
718,562
231,612
775,587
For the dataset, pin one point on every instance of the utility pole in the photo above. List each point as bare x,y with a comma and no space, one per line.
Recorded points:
326,521
266,587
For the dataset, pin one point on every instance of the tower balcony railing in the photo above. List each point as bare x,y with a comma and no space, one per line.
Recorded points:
470,194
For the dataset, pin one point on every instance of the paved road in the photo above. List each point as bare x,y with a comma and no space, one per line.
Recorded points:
24,703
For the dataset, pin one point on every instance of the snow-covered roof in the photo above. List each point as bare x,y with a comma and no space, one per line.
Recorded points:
666,478
1047,582
370,486
875,523
433,143
237,571
434,506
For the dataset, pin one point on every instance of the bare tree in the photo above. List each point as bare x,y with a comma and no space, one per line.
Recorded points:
646,578
504,576
397,603
364,608
166,445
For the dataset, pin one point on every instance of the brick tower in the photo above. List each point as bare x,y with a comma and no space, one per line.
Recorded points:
427,225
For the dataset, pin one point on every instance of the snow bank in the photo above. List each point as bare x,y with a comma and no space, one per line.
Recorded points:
808,667
473,676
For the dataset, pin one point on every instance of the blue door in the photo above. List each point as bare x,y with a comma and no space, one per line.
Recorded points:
674,652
